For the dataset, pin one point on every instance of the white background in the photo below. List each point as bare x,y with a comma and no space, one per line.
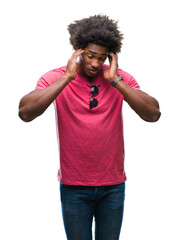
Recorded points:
34,40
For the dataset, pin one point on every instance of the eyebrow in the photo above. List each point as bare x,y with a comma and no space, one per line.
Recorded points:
104,54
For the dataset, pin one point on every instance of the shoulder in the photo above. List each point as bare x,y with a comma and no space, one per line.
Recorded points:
50,77
127,77
54,73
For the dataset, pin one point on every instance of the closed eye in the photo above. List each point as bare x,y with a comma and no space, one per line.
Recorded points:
102,59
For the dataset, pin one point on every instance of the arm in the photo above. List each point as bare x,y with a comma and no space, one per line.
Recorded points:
36,102
144,105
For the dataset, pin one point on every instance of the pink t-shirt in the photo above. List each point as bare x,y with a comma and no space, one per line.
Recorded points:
91,144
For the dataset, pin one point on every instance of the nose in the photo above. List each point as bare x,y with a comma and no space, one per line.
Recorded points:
95,63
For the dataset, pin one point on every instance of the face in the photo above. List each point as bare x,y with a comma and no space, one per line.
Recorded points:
92,60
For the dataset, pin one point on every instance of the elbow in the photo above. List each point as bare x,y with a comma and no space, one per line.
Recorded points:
153,117
157,113
26,109
156,116
24,116
22,113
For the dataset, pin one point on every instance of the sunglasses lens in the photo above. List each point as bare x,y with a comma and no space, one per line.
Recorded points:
93,102
94,89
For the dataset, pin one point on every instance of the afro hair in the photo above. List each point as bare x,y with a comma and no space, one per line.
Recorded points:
98,29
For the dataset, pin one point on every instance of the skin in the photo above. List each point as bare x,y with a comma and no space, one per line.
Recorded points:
90,62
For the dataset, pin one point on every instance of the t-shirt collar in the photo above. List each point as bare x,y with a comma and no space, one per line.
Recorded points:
96,81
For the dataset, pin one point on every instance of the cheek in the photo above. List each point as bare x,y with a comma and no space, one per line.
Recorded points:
85,61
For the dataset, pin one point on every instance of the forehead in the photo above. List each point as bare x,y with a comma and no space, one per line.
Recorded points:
96,49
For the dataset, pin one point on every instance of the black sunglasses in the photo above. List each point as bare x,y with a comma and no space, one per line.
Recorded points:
94,91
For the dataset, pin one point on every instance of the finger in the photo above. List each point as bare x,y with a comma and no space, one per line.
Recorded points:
114,56
114,61
78,52
103,70
109,57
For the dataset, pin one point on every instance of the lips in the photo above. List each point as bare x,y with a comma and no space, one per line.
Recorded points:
93,71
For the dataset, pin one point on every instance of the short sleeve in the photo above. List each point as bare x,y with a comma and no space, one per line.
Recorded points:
129,79
49,78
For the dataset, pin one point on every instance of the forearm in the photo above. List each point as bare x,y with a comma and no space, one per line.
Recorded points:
144,105
35,103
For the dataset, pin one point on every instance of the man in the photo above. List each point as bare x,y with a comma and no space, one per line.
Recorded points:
88,97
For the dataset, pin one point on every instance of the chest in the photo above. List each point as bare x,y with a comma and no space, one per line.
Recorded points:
77,99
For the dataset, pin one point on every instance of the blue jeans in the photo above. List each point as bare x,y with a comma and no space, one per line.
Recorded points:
81,203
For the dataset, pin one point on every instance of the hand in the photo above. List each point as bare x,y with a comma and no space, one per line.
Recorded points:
111,73
72,66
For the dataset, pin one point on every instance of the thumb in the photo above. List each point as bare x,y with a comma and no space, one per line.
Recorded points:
77,66
103,70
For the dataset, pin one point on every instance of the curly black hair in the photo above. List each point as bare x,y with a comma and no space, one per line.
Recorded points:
98,29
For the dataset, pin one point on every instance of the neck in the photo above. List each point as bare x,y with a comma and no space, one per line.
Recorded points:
88,78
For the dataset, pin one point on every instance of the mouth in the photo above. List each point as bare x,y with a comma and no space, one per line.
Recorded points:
93,71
